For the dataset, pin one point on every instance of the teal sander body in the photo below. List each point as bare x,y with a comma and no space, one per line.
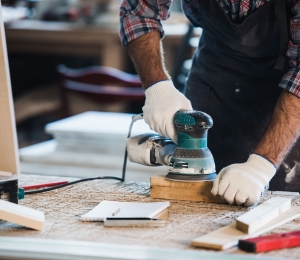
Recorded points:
192,160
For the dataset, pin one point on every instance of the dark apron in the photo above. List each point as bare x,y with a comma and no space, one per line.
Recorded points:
233,79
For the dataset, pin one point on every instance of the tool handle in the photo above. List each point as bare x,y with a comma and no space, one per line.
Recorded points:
270,242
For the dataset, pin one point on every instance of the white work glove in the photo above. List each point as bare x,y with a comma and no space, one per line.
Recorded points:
244,183
163,100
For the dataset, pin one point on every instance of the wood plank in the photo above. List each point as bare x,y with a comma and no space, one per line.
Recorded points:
9,159
162,188
21,215
6,174
228,236
262,214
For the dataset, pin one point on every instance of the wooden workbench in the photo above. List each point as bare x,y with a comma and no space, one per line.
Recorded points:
187,219
101,42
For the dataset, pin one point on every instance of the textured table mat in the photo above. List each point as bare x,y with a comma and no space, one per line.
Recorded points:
187,219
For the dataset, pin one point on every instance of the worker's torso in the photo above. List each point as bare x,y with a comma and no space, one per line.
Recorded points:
236,10
233,77
237,59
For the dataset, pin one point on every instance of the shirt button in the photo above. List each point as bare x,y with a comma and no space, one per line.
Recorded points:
237,90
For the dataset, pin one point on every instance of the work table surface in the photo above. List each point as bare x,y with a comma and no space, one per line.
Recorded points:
187,219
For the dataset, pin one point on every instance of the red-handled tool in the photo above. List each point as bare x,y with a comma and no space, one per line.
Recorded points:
43,185
270,242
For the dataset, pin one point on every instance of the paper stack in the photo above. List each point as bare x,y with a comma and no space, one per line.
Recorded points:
115,213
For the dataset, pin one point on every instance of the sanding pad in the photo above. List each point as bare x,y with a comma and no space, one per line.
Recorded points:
190,177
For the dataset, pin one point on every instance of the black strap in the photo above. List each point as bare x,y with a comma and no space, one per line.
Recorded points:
280,13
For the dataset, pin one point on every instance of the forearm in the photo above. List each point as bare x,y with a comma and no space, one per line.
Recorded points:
283,130
147,55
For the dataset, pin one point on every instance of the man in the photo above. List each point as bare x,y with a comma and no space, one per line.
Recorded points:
232,78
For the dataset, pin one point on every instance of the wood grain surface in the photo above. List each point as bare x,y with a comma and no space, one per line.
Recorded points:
187,219
161,188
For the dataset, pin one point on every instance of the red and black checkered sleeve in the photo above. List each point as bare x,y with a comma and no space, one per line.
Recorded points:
291,80
138,17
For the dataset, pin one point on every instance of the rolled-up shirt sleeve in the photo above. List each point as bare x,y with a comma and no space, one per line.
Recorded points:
291,80
138,17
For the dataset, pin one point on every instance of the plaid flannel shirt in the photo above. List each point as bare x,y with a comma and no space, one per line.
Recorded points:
138,17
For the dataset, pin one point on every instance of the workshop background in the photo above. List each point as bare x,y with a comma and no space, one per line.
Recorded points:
33,32
51,40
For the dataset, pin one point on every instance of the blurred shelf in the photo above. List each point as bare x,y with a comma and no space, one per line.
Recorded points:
62,38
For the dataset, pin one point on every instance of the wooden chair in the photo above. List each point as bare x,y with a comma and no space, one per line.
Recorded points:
102,84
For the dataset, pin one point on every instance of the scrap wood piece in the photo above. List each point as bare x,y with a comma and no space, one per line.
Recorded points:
161,188
21,215
262,214
6,174
228,236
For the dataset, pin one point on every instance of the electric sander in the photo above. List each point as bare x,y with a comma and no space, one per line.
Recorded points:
190,160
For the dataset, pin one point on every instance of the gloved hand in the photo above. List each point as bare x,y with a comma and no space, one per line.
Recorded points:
244,183
163,100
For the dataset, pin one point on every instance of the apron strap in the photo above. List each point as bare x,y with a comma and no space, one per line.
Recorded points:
280,13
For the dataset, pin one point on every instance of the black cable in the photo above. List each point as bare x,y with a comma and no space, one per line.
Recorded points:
73,182
134,118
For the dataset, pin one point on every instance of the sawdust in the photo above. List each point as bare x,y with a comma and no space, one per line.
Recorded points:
187,219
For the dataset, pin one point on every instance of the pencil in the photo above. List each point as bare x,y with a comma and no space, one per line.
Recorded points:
116,212
43,185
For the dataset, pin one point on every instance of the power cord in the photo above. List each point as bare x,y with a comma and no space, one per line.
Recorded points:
73,182
134,119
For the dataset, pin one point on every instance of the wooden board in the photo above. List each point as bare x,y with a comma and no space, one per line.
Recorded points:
9,159
21,215
187,219
254,219
228,236
5,174
162,188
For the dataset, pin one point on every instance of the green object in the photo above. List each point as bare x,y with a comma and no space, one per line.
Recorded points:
192,160
183,119
187,142
21,193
